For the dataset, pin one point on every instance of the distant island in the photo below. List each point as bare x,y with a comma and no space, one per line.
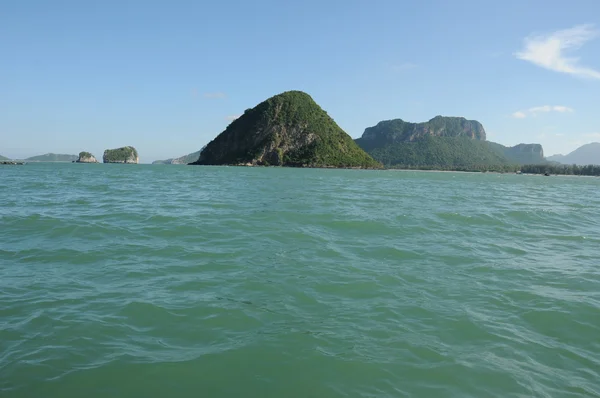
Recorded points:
443,143
186,159
3,158
86,157
289,129
126,154
52,157
588,154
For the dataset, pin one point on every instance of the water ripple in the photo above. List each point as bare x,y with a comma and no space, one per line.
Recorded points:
151,281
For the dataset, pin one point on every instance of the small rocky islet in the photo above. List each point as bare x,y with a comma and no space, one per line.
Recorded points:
126,154
86,157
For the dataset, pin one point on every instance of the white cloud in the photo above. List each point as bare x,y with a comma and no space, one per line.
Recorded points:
217,95
559,135
231,118
592,135
548,51
536,110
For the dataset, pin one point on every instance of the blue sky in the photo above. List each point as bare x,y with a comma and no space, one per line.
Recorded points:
167,76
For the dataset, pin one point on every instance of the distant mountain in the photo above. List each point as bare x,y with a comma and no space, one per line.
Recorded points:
584,155
52,157
3,158
289,129
192,157
443,143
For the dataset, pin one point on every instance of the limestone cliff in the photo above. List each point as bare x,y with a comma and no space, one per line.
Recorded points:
394,131
127,154
86,157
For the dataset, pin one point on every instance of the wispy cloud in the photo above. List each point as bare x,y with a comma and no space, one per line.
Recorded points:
217,95
536,110
402,67
231,118
592,135
548,51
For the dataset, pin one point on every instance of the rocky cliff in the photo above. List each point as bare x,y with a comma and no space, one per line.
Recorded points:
126,154
394,131
525,153
289,129
86,157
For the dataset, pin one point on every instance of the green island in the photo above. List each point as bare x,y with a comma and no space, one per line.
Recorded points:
52,157
289,129
126,154
86,157
3,158
444,143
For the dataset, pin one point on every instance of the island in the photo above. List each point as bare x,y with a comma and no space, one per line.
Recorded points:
443,143
86,157
126,154
289,129
52,157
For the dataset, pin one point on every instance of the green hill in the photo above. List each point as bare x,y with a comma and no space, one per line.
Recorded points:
289,129
446,143
52,157
190,158
3,158
126,154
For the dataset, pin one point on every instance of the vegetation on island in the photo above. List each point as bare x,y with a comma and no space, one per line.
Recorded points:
394,131
3,158
127,154
443,143
186,159
561,169
289,129
52,157
85,155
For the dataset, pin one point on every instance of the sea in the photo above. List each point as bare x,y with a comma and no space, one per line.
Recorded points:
191,281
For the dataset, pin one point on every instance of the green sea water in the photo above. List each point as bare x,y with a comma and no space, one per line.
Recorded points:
185,281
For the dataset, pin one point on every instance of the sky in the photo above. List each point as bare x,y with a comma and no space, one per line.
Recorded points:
168,76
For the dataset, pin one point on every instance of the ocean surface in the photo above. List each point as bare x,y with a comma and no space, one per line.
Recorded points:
188,281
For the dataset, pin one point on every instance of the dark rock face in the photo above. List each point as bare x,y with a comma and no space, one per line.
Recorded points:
394,131
289,129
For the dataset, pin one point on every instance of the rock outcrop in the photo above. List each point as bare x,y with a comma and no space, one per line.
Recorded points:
394,131
86,157
525,153
289,129
126,154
